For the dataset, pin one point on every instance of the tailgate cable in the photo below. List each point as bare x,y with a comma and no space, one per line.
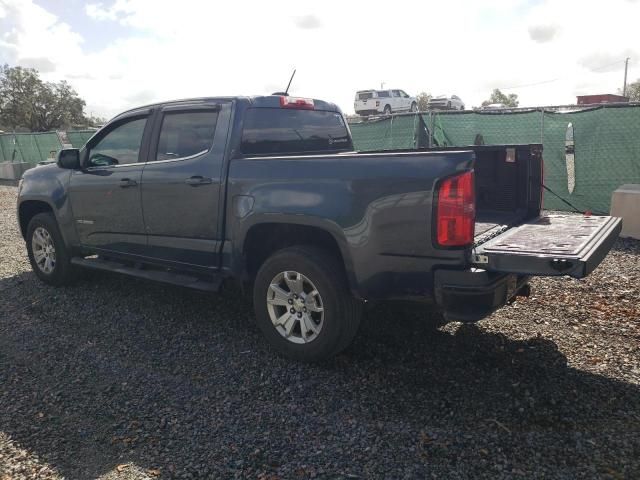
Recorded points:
586,213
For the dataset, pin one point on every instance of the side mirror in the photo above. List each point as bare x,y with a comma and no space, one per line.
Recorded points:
69,158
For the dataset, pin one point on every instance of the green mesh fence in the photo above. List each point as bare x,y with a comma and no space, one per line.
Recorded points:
10,153
387,133
78,138
28,147
48,144
607,144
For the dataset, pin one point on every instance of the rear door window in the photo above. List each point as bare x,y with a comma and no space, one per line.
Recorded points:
383,94
269,131
186,134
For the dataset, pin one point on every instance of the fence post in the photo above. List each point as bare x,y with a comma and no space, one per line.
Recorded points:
542,126
430,129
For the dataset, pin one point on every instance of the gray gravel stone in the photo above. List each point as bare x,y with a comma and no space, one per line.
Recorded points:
116,378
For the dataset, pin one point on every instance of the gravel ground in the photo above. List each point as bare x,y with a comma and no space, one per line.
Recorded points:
116,378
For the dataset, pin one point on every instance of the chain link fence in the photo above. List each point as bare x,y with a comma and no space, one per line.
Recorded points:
606,143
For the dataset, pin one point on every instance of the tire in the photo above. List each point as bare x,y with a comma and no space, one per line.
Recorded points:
414,107
51,260
317,271
387,110
448,105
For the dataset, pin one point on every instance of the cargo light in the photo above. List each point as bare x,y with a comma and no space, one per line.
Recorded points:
297,102
456,211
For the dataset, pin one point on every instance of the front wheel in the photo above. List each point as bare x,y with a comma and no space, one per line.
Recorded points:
414,107
48,255
303,304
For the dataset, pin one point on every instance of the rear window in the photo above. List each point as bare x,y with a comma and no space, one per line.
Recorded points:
383,94
279,131
365,95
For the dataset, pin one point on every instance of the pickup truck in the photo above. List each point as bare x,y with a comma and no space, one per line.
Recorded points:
376,102
267,191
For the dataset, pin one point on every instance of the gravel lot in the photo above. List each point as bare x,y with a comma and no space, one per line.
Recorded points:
116,378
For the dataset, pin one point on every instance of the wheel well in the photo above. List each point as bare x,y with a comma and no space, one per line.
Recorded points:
264,239
28,210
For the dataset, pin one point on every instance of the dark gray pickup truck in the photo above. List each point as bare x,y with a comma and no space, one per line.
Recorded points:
268,191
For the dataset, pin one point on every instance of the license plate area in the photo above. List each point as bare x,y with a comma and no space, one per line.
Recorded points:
551,245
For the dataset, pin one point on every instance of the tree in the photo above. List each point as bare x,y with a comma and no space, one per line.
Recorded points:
423,99
29,103
497,96
93,121
633,91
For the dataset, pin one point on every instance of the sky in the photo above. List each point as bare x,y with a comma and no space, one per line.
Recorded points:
119,54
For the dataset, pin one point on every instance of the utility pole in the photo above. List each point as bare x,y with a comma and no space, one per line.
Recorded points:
624,87
382,85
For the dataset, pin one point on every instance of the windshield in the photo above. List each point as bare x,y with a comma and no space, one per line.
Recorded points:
270,131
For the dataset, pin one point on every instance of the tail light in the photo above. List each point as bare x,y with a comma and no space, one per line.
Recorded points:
456,211
297,102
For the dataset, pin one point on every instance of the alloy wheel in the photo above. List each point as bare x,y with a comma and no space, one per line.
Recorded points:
44,252
295,307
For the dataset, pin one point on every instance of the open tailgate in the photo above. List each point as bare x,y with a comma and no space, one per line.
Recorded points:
550,245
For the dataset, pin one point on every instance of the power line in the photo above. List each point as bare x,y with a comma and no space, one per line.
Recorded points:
559,78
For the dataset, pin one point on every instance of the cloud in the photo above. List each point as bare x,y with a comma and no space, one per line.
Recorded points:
307,22
98,12
142,97
43,65
542,33
168,52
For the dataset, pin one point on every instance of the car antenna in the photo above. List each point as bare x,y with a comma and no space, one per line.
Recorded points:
286,92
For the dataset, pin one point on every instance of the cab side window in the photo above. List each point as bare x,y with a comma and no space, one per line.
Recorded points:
186,134
396,93
120,146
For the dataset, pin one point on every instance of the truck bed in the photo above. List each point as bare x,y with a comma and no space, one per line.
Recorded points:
490,224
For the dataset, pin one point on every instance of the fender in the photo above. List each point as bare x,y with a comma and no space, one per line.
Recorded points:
241,228
48,184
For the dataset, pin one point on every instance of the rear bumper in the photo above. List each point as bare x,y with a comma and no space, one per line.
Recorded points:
471,295
368,112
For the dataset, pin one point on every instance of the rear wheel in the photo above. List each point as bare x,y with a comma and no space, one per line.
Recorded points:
387,109
47,252
303,304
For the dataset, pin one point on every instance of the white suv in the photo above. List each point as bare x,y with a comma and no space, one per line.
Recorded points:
373,102
444,102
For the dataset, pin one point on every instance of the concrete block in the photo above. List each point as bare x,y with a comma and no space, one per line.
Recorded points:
13,170
625,203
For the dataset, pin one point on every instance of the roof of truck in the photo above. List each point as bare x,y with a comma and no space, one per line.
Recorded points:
259,101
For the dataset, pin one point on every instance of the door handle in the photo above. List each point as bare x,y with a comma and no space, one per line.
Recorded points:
198,180
127,182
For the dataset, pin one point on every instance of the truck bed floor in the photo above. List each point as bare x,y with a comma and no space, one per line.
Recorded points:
490,224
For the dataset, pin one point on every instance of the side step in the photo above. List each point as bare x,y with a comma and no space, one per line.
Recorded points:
181,279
